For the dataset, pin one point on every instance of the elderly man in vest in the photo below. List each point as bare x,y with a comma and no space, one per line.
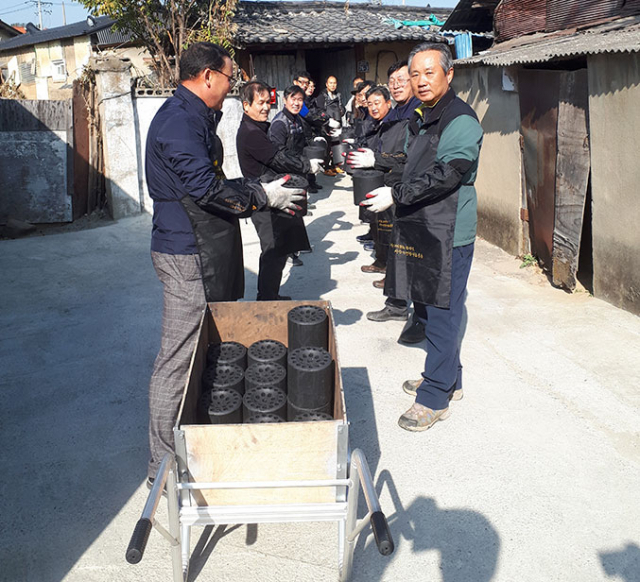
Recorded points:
435,228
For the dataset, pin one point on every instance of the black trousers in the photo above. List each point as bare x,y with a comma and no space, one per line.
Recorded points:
272,264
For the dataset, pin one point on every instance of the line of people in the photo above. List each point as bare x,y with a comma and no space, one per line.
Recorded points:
424,216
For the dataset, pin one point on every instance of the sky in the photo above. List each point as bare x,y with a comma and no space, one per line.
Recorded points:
23,11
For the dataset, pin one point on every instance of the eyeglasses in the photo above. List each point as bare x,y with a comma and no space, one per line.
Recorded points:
232,81
398,82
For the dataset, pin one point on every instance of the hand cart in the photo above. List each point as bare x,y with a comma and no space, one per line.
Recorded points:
259,473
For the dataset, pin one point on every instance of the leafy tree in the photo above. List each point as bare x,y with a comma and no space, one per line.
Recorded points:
167,27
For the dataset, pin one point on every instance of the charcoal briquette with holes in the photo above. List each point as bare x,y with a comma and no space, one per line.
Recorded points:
227,353
265,400
294,411
310,378
224,377
262,418
308,326
312,417
364,182
267,351
225,407
267,374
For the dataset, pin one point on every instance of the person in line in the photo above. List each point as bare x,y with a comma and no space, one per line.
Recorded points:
347,120
384,151
196,246
287,132
330,102
406,105
310,90
279,234
435,228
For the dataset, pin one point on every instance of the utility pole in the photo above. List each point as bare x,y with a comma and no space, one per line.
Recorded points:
64,16
40,14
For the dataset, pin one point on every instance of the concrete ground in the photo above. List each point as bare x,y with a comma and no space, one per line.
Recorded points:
535,477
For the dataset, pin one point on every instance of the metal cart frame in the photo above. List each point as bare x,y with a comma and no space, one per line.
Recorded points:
266,473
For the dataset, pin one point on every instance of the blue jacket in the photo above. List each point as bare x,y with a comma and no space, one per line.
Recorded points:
184,158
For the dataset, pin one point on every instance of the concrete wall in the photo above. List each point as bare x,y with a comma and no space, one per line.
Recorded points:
113,85
614,94
499,183
144,110
385,54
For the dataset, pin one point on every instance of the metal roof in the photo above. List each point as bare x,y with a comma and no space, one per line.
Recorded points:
83,28
619,36
472,16
289,23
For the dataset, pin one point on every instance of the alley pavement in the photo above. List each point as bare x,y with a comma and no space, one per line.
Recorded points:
534,477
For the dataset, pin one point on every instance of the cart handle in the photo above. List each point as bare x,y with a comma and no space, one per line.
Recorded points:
381,533
379,525
139,540
140,536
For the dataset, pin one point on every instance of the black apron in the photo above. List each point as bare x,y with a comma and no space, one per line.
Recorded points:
421,242
219,245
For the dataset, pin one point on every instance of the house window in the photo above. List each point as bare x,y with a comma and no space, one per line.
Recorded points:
58,70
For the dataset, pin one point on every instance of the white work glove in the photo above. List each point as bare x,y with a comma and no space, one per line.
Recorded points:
335,132
320,139
379,200
334,124
361,158
316,166
283,198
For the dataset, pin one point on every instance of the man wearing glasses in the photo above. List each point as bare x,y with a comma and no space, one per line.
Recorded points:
196,247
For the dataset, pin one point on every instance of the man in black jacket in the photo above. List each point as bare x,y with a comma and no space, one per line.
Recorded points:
259,158
196,247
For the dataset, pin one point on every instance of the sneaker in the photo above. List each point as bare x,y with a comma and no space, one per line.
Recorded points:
296,262
368,246
387,314
311,206
363,238
379,284
411,388
419,417
339,170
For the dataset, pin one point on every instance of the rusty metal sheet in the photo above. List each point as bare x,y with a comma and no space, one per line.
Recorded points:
515,18
539,91
564,14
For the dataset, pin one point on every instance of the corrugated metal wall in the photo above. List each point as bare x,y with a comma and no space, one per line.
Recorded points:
563,14
517,17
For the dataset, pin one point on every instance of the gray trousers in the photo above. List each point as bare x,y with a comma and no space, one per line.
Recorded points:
184,302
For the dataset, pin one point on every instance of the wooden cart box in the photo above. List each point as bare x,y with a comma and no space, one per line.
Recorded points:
289,451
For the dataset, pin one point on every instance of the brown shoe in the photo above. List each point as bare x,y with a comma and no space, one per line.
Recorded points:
329,173
419,418
373,269
379,284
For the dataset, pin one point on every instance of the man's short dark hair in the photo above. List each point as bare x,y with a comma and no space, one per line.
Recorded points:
293,90
396,67
301,75
363,85
250,90
446,60
379,90
200,56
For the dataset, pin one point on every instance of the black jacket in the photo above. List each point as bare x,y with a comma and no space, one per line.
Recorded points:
332,106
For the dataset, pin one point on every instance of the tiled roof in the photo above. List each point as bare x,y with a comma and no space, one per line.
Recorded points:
312,22
619,36
83,28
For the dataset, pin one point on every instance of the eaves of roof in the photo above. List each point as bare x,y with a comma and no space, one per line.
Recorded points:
76,29
294,23
618,36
